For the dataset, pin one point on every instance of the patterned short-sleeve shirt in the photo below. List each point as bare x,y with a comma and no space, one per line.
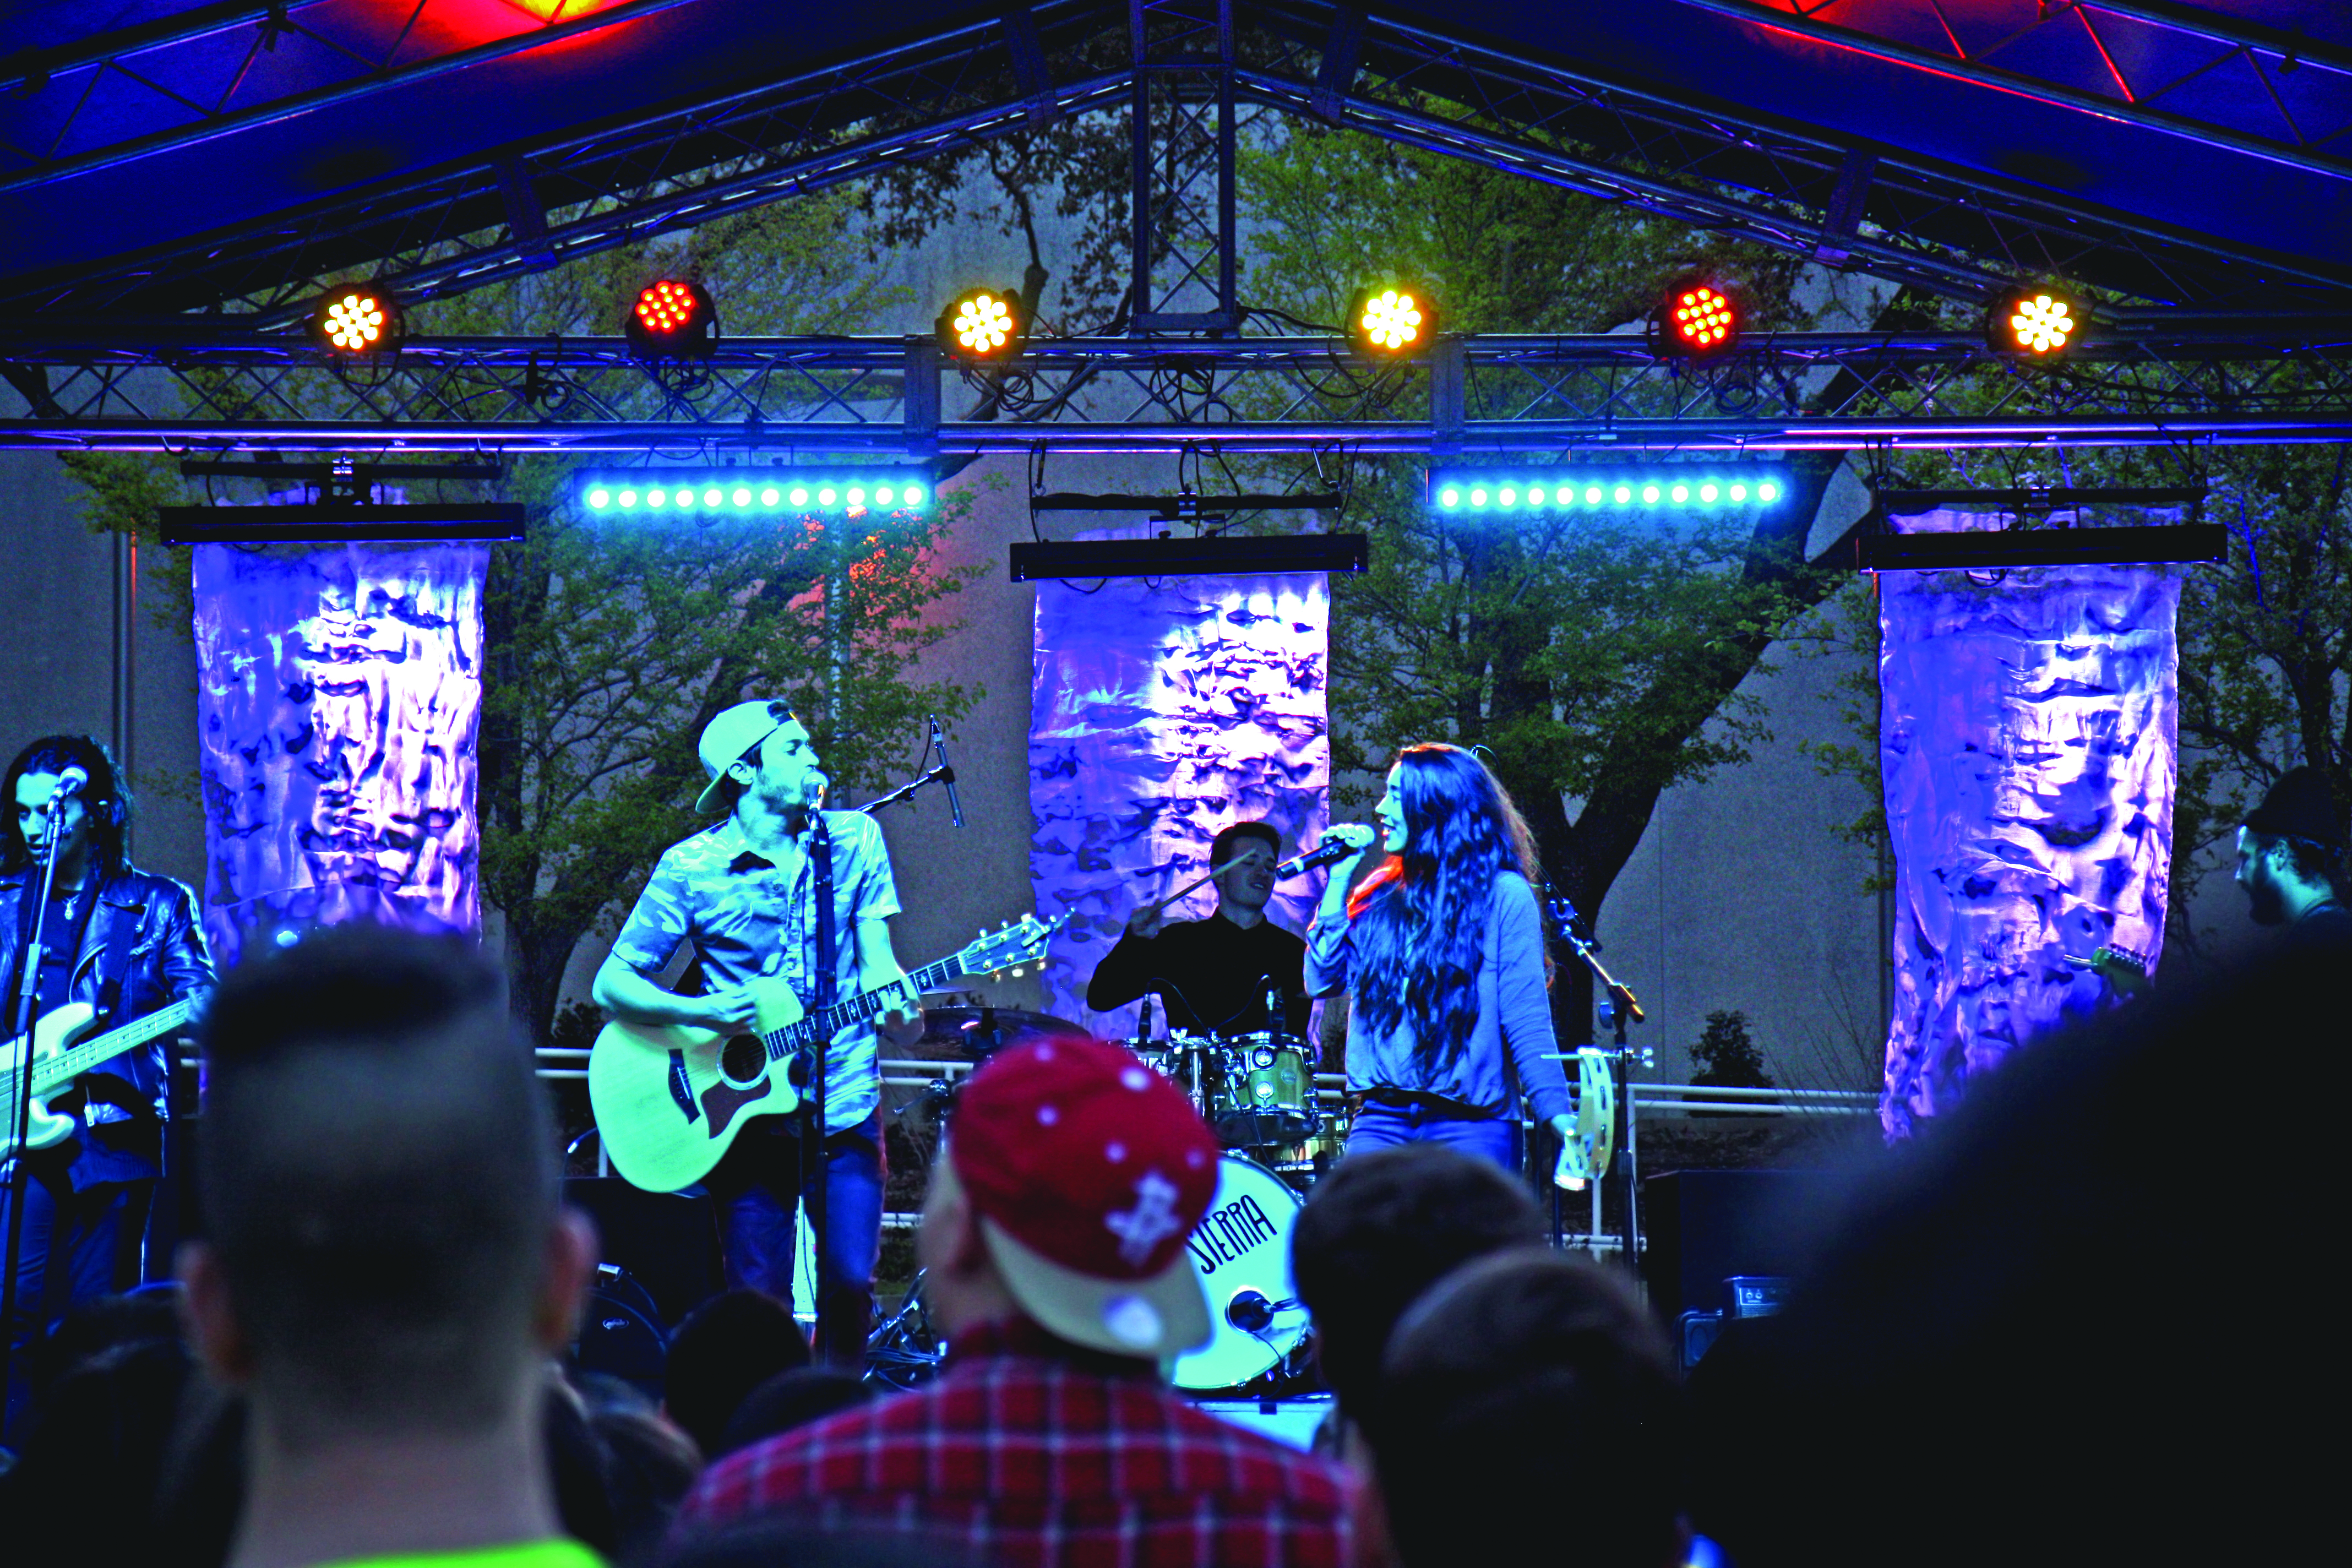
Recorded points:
747,920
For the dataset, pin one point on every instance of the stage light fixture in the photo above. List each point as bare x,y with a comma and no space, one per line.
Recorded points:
2035,323
983,324
673,318
724,492
1697,319
1392,319
357,319
1691,488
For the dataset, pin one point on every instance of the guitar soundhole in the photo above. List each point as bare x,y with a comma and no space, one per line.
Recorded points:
744,1059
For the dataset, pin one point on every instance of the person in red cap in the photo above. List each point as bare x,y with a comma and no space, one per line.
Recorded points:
1054,1241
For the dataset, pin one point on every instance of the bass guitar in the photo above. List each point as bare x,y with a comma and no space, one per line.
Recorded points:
670,1099
58,1059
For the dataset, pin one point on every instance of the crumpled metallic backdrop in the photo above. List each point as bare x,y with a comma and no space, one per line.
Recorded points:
2027,751
1159,714
340,693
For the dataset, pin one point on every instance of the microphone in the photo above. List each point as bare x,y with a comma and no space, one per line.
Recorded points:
72,780
1330,852
947,773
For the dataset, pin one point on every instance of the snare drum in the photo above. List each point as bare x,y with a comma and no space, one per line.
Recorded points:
1241,1252
1262,1091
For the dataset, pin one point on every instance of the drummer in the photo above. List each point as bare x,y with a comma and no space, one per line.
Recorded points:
1213,974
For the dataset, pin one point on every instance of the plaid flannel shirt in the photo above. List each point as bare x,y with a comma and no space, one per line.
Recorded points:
1033,1454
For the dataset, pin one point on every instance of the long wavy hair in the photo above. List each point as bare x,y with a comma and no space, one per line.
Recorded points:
105,798
1420,920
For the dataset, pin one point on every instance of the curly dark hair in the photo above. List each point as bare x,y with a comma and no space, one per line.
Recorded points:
105,797
1420,920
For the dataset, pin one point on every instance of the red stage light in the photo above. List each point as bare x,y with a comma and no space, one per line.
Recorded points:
1697,320
673,318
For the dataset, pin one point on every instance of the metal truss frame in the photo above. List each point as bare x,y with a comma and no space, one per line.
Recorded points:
225,391
1750,176
1947,231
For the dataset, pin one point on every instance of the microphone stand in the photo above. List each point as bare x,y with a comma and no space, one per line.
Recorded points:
20,1101
1619,1009
940,775
944,774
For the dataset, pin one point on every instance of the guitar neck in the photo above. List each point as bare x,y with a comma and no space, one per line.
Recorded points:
67,1066
858,1009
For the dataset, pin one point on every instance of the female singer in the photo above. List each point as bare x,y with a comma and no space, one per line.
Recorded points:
1441,954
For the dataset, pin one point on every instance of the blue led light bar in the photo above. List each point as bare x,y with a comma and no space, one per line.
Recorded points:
1554,492
753,492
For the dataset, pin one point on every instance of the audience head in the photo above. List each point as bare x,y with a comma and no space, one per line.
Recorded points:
789,1401
2012,1347
1514,1376
2291,847
1068,1188
724,1349
1383,1228
384,1251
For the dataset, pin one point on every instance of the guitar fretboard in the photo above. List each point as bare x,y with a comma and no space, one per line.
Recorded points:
823,1024
68,1064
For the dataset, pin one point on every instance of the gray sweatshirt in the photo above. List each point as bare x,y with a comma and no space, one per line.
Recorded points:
1512,1010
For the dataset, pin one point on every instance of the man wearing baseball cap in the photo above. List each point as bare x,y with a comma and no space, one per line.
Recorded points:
2291,861
1054,1238
743,895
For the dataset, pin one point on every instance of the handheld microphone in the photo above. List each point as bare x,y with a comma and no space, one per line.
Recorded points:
947,773
1330,852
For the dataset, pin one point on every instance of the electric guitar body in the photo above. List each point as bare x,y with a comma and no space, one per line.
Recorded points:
59,1055
670,1100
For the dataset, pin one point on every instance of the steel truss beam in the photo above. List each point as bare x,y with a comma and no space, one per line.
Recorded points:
2228,384
1950,231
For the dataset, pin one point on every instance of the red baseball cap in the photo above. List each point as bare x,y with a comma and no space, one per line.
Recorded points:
1087,1170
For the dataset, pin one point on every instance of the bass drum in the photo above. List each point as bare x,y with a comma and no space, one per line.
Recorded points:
1241,1252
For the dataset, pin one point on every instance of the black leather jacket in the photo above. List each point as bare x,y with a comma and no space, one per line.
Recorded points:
167,960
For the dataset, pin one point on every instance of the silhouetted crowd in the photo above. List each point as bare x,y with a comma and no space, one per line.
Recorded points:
2071,1322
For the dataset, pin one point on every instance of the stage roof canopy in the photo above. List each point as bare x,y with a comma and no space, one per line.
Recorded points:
158,158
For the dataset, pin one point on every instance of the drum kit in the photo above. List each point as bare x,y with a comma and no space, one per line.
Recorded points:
1257,1093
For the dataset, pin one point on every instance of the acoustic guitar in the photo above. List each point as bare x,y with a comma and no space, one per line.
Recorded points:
670,1100
57,1060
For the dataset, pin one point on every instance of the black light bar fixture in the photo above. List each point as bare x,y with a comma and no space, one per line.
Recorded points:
342,523
1988,550
2135,544
1233,555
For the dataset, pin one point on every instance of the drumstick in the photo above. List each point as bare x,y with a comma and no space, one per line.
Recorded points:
1204,877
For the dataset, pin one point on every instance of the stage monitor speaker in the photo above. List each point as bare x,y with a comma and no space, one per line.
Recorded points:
1704,1226
667,1243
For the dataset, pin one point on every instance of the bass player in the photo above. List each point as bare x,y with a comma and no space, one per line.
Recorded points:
127,942
744,893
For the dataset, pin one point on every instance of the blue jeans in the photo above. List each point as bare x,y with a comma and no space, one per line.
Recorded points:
1379,1126
758,1189
73,1251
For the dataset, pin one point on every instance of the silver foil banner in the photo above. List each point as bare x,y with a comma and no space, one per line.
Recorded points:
2027,751
1161,711
340,693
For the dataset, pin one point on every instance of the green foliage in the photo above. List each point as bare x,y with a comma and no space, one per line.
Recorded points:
1599,658
1726,1056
